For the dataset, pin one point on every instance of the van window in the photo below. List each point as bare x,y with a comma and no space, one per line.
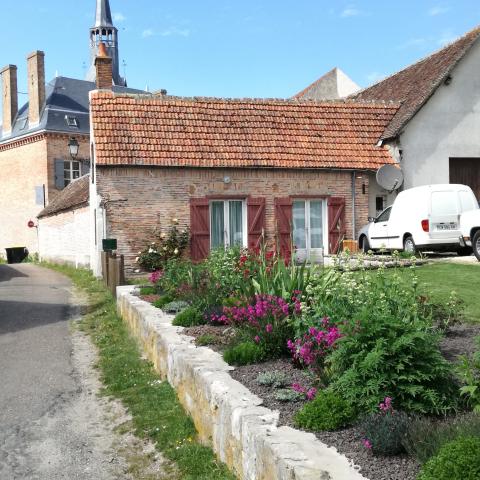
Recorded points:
444,203
467,201
385,215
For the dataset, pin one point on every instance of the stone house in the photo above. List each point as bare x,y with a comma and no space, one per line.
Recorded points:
34,153
232,169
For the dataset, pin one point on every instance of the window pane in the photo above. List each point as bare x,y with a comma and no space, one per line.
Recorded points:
385,216
236,223
217,223
316,224
467,201
299,236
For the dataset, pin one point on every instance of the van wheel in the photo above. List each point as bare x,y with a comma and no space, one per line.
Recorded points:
464,251
476,245
409,245
365,245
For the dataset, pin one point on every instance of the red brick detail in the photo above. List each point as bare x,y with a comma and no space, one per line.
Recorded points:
256,221
199,228
283,217
336,223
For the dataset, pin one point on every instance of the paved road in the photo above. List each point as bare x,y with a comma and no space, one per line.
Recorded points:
53,425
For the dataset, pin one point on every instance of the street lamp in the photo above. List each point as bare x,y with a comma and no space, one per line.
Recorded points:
73,147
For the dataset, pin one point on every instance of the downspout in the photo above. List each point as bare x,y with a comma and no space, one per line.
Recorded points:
354,213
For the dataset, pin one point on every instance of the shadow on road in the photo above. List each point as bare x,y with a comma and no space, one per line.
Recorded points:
16,316
7,273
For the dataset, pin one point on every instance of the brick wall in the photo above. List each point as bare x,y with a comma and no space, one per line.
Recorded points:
64,238
138,199
26,164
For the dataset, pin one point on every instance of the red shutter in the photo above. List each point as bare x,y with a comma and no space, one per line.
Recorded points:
283,218
256,221
199,228
336,223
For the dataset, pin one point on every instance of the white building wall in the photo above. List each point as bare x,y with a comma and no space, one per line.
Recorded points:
65,238
447,126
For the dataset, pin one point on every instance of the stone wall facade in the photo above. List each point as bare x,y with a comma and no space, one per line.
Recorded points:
138,200
65,237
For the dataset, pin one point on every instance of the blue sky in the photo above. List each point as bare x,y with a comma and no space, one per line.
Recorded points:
243,48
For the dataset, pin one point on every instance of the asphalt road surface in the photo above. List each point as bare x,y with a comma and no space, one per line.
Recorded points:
53,425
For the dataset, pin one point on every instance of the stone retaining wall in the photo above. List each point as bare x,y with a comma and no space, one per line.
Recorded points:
227,416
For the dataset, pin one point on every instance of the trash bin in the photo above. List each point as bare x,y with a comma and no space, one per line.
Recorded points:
16,254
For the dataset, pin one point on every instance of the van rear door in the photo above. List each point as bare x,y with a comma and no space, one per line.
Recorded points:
445,215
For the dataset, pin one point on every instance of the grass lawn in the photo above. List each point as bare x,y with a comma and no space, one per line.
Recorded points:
439,279
153,404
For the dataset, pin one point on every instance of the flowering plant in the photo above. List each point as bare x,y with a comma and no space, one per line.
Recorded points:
165,246
311,349
264,320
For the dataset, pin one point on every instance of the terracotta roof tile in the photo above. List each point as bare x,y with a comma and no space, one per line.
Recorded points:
209,132
75,194
414,85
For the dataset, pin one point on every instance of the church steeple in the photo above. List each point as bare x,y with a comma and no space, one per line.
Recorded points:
104,32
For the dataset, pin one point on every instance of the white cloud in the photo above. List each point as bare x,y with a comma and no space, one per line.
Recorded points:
438,10
447,37
168,32
412,43
350,11
148,33
374,77
119,17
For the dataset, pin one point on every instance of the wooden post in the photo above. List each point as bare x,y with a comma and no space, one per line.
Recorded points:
104,258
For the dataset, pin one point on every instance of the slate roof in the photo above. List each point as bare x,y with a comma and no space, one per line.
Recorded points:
64,96
212,132
414,85
75,194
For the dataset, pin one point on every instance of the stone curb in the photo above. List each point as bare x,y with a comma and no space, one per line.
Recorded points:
227,416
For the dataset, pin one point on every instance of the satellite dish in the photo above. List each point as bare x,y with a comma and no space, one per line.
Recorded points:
390,177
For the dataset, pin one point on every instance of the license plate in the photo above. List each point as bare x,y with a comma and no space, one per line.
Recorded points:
446,226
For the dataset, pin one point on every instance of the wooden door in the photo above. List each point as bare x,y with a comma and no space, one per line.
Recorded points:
466,171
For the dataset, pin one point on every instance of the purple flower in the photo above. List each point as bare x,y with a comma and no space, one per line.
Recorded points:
269,328
367,444
312,392
257,339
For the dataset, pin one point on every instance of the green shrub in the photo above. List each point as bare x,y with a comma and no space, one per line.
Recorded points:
457,460
385,431
206,339
288,395
327,411
175,307
469,370
425,437
163,300
188,317
273,379
244,353
148,291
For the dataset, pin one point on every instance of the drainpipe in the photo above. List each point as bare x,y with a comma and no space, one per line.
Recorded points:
354,213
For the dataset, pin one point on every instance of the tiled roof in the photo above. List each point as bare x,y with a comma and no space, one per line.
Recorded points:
209,132
414,85
75,194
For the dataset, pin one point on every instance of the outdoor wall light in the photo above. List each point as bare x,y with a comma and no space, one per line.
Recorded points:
227,180
73,147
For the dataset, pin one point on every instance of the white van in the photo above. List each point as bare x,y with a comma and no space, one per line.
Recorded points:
421,218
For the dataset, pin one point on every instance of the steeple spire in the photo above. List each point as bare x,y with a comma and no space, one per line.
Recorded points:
104,32
103,16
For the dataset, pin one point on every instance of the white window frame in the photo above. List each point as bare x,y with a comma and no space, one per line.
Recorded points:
226,220
68,171
308,247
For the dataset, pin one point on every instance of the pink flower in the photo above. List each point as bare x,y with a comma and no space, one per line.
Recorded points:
386,405
257,339
154,277
367,443
298,388
312,392
269,328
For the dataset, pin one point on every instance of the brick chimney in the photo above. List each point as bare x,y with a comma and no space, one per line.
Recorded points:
10,97
103,66
36,86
